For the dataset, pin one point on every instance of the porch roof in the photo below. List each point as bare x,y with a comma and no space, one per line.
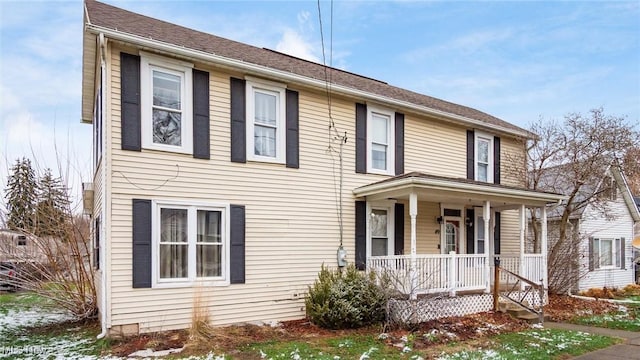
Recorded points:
454,190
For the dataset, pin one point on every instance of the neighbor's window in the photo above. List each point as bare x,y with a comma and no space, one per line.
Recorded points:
606,252
266,121
484,158
380,135
609,189
191,243
22,240
166,96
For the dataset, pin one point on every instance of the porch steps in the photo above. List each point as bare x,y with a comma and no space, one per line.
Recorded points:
518,312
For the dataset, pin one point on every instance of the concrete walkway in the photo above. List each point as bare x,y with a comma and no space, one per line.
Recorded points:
630,349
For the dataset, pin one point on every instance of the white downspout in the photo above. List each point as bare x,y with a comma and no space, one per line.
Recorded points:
103,212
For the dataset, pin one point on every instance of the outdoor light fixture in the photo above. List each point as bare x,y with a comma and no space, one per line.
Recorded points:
439,219
468,222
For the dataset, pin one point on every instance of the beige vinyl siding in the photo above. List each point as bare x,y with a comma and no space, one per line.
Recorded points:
512,162
291,221
97,209
435,148
509,232
426,238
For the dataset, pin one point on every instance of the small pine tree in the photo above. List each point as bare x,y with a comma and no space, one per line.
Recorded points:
21,195
52,208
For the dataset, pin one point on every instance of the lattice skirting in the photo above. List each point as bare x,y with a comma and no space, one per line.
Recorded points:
417,311
533,297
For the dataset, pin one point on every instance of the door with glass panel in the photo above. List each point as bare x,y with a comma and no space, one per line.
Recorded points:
451,235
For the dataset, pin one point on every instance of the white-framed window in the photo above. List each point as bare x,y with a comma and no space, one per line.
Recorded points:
606,253
380,229
166,104
380,141
483,157
266,121
609,189
190,243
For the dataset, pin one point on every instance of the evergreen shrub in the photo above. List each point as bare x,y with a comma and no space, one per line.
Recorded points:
346,298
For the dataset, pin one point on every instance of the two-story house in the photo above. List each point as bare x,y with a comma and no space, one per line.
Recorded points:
218,175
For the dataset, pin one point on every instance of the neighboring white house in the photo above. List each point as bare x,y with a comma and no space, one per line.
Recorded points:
604,229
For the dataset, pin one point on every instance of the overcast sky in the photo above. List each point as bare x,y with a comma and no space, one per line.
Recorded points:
515,60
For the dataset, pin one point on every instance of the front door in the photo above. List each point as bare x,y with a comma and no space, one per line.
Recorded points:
451,235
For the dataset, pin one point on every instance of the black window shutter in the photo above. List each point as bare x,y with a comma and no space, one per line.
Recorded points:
201,139
399,144
471,232
622,249
399,229
130,102
592,258
496,160
141,243
361,235
496,235
238,121
293,156
361,138
237,232
471,155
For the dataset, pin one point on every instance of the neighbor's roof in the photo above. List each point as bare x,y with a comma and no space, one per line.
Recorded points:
101,17
561,179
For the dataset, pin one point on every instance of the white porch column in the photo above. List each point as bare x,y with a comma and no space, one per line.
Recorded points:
486,215
521,216
543,245
413,213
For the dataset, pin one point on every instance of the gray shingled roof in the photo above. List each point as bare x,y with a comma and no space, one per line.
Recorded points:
116,19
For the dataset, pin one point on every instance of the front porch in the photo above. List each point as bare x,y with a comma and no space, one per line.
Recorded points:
453,273
457,229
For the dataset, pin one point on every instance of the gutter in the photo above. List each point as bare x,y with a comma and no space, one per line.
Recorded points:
287,76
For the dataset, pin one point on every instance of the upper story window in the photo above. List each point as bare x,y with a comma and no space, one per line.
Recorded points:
191,244
608,189
380,135
266,121
484,157
166,97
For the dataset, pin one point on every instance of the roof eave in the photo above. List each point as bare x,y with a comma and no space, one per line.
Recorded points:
287,76
88,71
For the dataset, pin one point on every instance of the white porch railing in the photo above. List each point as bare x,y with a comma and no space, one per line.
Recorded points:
532,269
451,272
434,272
